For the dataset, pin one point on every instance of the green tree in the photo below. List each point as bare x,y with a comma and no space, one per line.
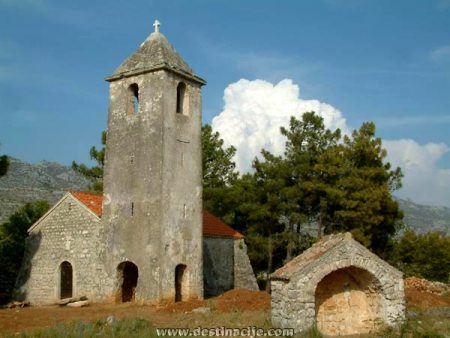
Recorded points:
366,207
423,255
12,241
302,201
338,185
4,165
94,173
217,163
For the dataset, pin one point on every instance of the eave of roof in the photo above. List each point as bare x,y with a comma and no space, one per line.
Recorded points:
212,225
155,53
301,262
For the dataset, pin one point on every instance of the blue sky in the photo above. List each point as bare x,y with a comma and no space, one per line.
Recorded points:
372,60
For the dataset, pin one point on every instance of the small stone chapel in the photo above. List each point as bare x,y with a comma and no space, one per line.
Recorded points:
340,287
147,238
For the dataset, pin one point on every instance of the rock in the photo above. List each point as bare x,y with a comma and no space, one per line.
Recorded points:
17,304
110,320
202,310
65,301
80,303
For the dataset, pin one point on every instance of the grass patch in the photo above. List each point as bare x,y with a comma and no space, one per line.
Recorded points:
422,325
117,328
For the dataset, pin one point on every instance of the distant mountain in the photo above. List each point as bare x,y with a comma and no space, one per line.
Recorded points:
423,218
27,182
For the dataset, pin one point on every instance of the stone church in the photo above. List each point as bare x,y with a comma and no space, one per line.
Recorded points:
147,238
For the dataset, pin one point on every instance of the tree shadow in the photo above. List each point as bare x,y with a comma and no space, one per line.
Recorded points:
32,244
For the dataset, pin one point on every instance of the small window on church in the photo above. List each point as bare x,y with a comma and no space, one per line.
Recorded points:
134,98
181,99
132,208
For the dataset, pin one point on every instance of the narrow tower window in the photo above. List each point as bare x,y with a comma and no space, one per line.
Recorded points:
132,208
181,90
134,98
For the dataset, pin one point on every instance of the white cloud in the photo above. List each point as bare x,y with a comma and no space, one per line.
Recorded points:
255,110
424,181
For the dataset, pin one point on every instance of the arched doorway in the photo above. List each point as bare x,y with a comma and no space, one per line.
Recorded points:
180,283
348,302
127,273
66,280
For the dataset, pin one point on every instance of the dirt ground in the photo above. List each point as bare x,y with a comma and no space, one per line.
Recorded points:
240,302
28,318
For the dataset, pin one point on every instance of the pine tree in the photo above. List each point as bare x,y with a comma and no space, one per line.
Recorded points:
12,241
94,173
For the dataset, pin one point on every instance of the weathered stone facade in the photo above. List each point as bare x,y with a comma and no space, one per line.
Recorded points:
152,213
69,232
340,286
148,244
244,277
226,265
218,264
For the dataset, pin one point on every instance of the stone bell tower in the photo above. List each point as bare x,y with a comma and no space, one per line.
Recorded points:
152,209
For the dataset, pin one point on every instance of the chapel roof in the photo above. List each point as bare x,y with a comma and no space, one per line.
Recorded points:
326,249
302,261
153,54
212,225
92,201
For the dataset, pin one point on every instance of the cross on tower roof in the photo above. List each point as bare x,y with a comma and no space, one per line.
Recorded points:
157,24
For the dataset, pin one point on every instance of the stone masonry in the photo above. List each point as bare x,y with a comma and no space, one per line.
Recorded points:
147,246
152,210
69,233
340,286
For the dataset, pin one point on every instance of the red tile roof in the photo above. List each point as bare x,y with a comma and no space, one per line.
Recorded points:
212,225
92,201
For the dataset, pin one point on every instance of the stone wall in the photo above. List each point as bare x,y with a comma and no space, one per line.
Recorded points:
244,277
152,212
344,282
69,233
226,265
348,302
218,263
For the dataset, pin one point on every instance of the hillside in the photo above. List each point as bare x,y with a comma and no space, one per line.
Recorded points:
423,218
27,182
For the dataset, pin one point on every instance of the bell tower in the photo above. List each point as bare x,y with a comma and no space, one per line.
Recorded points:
152,209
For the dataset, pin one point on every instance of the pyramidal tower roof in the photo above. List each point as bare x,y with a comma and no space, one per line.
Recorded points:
153,54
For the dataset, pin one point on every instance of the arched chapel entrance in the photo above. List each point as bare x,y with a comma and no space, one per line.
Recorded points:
180,283
348,301
127,274
66,280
